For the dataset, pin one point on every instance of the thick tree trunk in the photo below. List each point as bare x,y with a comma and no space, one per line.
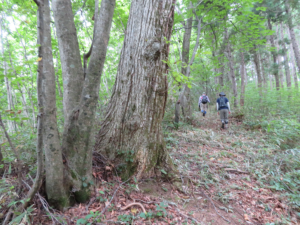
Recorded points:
274,54
243,76
69,54
78,138
292,35
131,135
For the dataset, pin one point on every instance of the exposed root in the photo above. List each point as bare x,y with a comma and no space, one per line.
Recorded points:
132,204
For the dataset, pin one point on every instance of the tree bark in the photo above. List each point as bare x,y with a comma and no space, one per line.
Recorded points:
131,135
184,99
1,163
292,35
274,55
78,137
258,69
69,54
285,61
243,76
231,68
292,60
56,193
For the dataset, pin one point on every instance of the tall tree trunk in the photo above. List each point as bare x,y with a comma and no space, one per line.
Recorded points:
1,163
184,99
55,189
263,74
231,70
10,124
258,69
292,60
292,35
221,70
274,54
243,76
79,138
131,135
286,63
69,54
279,57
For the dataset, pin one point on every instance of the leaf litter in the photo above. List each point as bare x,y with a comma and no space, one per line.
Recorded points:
222,174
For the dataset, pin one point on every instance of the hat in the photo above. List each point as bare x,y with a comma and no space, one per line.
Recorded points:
203,93
222,94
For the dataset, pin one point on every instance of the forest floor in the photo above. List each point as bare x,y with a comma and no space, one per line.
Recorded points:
222,174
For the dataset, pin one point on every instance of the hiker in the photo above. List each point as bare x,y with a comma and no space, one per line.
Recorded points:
223,109
203,100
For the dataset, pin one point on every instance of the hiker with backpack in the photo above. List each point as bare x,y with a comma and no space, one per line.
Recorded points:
223,109
203,100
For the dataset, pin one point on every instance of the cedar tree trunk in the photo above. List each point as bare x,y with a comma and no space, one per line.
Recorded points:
131,134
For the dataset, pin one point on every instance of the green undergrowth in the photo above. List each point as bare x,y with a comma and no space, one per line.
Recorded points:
269,154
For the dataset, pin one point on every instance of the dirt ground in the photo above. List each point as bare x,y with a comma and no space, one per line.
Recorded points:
217,185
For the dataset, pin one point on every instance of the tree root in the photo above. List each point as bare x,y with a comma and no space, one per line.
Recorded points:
132,204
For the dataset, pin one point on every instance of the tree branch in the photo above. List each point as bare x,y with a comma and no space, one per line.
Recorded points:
81,8
88,54
38,2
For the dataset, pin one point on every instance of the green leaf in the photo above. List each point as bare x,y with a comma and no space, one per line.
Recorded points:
9,169
163,171
143,215
84,184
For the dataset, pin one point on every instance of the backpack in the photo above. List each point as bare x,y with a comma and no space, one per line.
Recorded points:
204,99
222,102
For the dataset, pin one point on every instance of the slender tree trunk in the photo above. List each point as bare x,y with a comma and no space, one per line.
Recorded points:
292,35
292,61
1,163
243,76
263,74
286,63
131,135
40,140
10,123
258,70
55,189
221,77
279,57
184,98
231,68
274,54
69,54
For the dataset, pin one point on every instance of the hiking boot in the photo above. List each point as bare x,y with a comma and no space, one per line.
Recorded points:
223,126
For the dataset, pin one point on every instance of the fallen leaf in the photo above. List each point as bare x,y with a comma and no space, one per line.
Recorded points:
134,210
246,217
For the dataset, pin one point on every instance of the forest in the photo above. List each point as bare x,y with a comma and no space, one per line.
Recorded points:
102,117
